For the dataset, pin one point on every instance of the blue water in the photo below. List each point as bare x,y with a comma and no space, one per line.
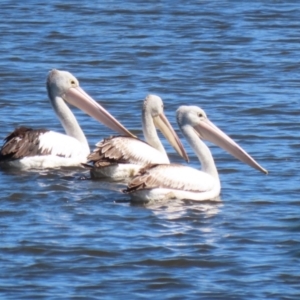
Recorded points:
64,236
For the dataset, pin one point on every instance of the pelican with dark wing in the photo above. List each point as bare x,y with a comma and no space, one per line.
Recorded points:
27,148
119,158
168,181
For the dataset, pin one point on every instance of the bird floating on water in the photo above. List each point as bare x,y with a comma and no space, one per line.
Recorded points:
120,157
27,148
163,182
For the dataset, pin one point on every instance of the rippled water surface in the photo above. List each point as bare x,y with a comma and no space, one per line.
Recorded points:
65,236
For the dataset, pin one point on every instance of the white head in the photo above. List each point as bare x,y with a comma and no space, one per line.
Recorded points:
196,118
153,108
62,85
153,105
59,82
190,115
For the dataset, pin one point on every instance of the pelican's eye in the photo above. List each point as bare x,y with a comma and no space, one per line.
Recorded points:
73,82
200,115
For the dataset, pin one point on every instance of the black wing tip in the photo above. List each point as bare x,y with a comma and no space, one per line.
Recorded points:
87,166
18,132
126,191
21,131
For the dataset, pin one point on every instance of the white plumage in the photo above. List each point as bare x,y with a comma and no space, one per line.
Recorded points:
26,148
162,182
61,145
120,158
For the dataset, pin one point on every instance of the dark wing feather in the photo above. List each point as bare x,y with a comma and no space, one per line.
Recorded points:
23,141
106,153
124,150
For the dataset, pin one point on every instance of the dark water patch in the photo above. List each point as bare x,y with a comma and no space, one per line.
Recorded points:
182,263
11,213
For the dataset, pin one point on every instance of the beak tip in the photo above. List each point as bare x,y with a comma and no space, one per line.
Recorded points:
263,170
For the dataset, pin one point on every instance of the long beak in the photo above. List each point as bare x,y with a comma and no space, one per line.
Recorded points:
161,122
79,98
208,131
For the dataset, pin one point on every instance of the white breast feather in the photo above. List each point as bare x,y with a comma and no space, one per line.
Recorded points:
61,144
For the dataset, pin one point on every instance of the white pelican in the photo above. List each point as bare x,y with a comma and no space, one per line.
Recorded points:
26,148
162,182
119,158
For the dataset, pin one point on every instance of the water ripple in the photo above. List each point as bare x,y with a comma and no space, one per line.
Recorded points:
65,236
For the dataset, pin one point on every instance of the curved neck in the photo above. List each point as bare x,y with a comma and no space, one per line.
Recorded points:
202,151
69,122
150,134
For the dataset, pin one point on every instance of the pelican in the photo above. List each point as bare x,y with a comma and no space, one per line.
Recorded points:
163,182
26,148
119,158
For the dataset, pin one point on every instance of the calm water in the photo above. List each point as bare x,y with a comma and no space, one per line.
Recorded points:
64,236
